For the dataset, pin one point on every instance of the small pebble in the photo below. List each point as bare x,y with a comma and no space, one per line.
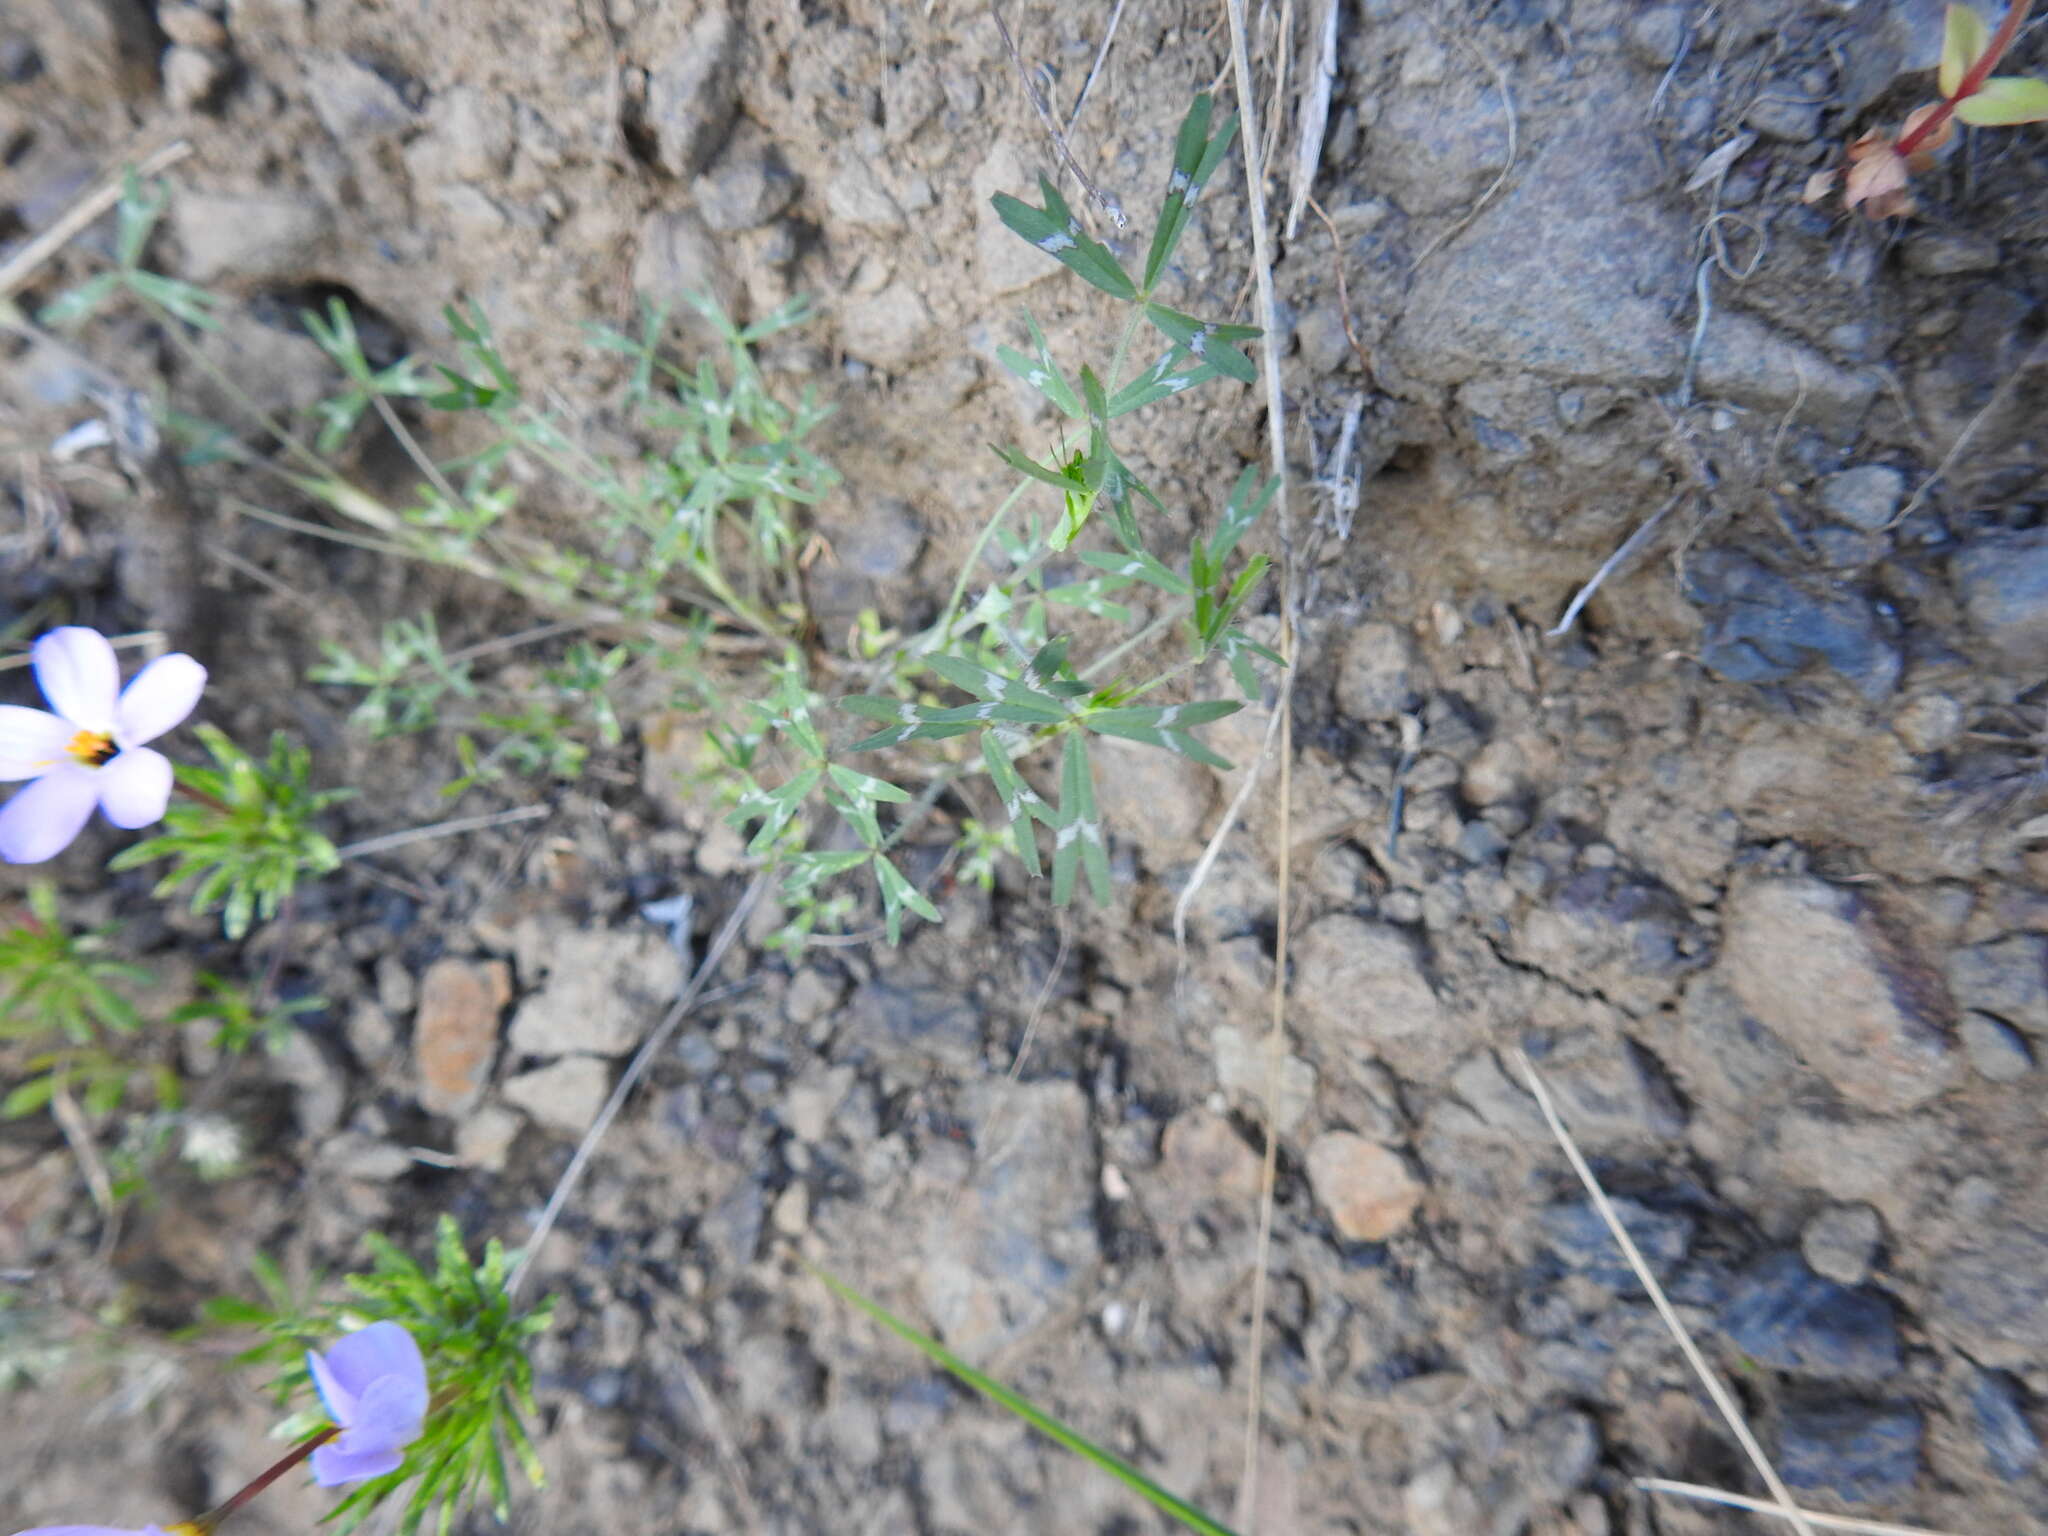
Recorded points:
1996,1049
1865,497
1841,1242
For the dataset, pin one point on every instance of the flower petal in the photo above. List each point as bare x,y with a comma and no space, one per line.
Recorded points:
389,1414
76,669
135,787
339,1402
42,818
157,698
92,1530
32,742
333,1466
382,1349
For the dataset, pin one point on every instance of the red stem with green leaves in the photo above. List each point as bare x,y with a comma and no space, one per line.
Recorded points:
1973,78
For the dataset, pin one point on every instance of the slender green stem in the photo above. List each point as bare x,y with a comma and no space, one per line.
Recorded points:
1123,345
286,439
944,628
1108,659
417,454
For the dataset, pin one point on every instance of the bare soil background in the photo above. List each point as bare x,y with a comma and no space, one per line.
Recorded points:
1745,858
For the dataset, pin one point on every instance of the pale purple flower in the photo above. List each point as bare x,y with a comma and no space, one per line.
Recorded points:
93,1530
374,1384
90,751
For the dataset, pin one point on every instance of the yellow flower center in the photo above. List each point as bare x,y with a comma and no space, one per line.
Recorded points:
91,748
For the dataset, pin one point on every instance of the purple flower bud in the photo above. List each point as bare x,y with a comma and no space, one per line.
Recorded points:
374,1385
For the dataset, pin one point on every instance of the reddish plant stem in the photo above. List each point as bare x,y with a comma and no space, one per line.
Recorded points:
298,1453
1973,78
203,797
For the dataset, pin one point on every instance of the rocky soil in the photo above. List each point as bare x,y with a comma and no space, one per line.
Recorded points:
1748,856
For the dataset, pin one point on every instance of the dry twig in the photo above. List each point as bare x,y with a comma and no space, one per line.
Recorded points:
1507,102
1276,447
636,1069
1634,544
1315,123
1096,195
1764,1507
1731,1411
24,262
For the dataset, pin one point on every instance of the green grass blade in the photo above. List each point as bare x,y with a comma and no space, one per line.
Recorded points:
1036,1417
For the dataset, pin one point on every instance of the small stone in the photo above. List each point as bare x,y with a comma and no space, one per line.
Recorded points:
1865,497
810,997
1325,345
808,1107
1763,627
1243,1070
732,1229
1436,1502
1813,963
1947,254
485,1139
1991,1295
356,1156
1373,998
603,992
1868,1453
322,1090
471,138
1777,116
721,850
1996,1050
773,1373
353,102
791,1214
2007,978
1496,773
1615,932
1840,1243
371,1034
1002,262
1159,800
883,542
397,992
1749,362
191,26
564,1096
1368,1190
455,1032
2002,579
693,94
20,60
855,195
1656,33
1785,1316
1928,723
932,1023
193,77
1577,1233
1999,1406
1380,673
679,256
747,186
1017,1245
226,235
887,330
1202,1158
